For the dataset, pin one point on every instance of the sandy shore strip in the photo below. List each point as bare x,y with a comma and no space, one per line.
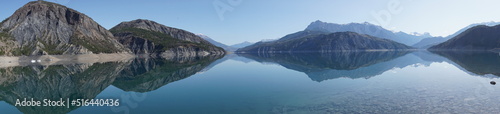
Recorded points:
9,61
64,59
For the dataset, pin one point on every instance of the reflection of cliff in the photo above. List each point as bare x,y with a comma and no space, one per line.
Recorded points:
53,82
87,80
144,75
480,63
324,66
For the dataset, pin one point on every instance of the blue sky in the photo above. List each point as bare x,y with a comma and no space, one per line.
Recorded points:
254,20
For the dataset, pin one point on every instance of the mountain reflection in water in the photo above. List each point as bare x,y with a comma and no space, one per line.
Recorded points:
325,66
478,62
87,80
144,75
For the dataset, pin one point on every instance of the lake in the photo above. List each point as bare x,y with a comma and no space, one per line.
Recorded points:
337,82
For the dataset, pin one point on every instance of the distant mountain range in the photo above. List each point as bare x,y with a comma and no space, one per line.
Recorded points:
216,43
230,48
309,41
369,29
323,37
416,40
428,42
242,44
478,38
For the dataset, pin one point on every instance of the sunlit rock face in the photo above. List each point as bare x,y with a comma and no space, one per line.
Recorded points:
151,38
41,28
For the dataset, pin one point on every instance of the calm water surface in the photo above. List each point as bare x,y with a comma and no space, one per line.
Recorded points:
352,82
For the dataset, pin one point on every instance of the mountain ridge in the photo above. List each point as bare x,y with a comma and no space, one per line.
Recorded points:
46,28
157,27
340,41
428,42
431,41
366,28
242,44
149,37
478,38
216,43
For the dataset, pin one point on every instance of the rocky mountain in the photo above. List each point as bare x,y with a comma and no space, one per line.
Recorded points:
242,44
149,37
428,42
478,38
340,41
369,29
492,23
431,41
43,28
216,43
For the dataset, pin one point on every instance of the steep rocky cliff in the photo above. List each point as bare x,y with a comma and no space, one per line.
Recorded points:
42,28
149,37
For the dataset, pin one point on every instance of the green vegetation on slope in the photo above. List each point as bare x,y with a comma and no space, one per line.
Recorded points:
25,50
51,49
162,40
4,37
96,46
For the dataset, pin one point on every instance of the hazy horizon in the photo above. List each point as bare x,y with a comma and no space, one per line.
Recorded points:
237,21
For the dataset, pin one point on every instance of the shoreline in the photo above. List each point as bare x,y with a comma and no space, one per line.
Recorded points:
10,61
